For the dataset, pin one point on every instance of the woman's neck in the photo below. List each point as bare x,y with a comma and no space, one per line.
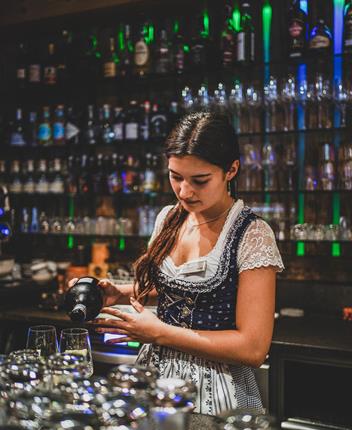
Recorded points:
216,211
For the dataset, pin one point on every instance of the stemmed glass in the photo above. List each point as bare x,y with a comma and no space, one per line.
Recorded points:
76,341
341,97
288,95
43,339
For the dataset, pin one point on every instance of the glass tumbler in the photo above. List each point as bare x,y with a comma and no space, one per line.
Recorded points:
43,339
77,341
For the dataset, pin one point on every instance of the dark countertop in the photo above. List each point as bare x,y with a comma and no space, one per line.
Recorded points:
313,331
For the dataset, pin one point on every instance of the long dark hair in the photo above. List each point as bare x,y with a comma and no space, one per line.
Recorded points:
205,135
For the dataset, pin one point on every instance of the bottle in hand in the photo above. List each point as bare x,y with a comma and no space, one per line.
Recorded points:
84,300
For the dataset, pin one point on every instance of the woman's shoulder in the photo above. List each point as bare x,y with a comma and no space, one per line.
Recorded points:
160,218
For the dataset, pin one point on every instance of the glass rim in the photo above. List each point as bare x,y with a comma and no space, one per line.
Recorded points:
42,327
74,331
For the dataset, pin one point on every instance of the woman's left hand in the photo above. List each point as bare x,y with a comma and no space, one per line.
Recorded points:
143,326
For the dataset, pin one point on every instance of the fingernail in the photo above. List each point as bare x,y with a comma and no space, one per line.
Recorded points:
132,299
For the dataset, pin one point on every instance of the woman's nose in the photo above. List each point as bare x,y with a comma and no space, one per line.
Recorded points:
185,191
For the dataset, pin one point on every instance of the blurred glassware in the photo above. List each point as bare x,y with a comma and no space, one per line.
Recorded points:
43,339
269,162
323,101
66,367
253,106
310,178
220,101
327,167
345,166
187,99
77,341
288,101
203,100
236,101
249,419
270,102
341,99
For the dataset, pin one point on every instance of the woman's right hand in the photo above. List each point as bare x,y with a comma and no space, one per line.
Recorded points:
111,291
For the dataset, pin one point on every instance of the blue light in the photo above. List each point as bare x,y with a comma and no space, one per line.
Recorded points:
110,336
304,5
338,25
2,211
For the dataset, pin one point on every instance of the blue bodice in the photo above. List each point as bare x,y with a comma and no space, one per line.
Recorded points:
208,304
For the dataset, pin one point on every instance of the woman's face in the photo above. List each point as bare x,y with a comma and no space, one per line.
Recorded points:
198,185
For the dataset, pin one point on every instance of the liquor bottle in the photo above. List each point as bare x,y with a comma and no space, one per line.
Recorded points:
109,69
174,114
34,227
15,185
199,49
107,130
327,167
49,69
132,121
163,53
42,183
228,38
59,126
84,300
347,28
142,54
44,129
114,179
34,72
144,124
3,174
297,30
125,52
119,124
71,180
158,122
17,135
21,64
90,128
85,64
72,131
320,43
246,36
29,180
31,129
84,180
56,184
180,49
149,177
25,226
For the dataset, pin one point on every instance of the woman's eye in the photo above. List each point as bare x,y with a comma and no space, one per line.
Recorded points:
200,182
175,178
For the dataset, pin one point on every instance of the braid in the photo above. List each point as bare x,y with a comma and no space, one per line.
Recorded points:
146,266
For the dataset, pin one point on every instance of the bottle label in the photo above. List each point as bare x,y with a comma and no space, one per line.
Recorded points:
58,131
28,186
50,75
109,69
141,54
240,46
319,41
17,139
21,73
44,132
198,54
132,131
57,186
118,131
296,29
34,73
180,60
144,130
348,29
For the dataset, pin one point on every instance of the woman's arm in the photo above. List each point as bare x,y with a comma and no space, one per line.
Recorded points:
248,344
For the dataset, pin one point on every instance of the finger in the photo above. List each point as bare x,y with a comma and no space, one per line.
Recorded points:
138,306
104,283
119,340
112,331
72,282
109,322
116,313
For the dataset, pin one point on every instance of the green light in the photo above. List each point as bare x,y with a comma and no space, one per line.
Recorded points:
236,18
186,48
335,249
94,41
150,34
267,199
133,344
176,28
122,244
205,32
70,242
121,40
300,249
300,208
267,14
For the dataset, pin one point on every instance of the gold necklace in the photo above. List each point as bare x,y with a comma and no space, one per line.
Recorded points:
192,226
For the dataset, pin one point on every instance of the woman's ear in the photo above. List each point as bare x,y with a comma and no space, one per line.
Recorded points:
232,172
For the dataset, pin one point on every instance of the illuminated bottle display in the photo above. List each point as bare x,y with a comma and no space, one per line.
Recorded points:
320,38
347,36
142,55
246,36
228,39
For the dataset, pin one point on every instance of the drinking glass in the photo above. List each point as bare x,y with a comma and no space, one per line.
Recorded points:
76,341
43,339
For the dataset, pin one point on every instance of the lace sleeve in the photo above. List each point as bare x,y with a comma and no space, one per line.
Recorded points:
159,221
258,248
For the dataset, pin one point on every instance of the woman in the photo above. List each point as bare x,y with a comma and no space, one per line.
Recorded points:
212,265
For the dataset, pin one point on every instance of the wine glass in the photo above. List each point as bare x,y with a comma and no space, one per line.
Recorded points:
43,339
77,341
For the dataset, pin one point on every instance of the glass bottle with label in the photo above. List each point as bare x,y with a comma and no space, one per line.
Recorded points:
3,174
142,54
15,185
31,129
34,71
84,180
297,30
327,167
158,122
72,171
44,128
107,130
56,184
132,121
144,125
90,128
29,179
125,51
114,179
59,126
64,57
246,36
320,43
49,69
21,65
42,183
109,68
347,28
17,136
228,38
163,53
199,49
119,124
180,49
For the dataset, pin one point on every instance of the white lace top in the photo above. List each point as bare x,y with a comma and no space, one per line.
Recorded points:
257,248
